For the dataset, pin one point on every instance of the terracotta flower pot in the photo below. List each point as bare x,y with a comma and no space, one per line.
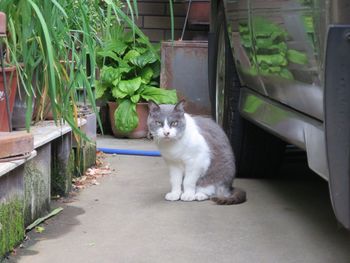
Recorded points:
140,131
11,81
19,111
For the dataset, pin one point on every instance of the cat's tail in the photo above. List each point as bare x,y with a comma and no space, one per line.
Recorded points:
237,196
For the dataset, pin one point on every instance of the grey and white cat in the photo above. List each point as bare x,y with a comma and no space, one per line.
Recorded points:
198,154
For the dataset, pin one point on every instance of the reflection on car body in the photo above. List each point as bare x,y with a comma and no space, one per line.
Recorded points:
281,52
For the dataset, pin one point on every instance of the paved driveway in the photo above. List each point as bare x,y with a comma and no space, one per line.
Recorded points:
126,219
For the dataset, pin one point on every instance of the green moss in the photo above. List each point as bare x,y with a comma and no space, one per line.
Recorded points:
71,164
37,200
11,225
90,155
86,157
62,173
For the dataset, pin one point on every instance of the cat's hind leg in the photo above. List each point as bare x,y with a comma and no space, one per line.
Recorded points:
204,193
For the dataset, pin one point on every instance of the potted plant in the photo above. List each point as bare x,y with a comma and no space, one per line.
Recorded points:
129,76
37,37
41,34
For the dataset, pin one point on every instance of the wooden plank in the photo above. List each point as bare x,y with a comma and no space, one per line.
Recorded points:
15,143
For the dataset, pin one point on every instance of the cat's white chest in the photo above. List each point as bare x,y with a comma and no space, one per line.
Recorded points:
191,148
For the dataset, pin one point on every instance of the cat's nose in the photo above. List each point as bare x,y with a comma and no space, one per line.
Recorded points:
166,133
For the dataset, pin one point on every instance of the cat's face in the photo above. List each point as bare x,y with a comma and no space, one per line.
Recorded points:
166,122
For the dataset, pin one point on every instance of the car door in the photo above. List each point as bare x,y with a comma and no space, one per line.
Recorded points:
288,37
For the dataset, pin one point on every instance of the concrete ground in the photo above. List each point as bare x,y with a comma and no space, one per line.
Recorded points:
126,219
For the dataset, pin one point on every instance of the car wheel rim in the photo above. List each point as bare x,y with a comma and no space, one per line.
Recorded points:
220,78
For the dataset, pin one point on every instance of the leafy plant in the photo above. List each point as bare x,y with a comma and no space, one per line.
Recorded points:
52,43
130,73
53,50
268,50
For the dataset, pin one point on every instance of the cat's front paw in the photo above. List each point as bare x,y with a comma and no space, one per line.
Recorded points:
188,196
173,196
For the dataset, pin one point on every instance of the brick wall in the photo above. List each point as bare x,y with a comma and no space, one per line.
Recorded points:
154,20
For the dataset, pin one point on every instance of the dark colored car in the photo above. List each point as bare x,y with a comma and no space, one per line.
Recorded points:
279,72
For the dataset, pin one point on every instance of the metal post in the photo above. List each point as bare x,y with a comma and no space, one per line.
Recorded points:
185,23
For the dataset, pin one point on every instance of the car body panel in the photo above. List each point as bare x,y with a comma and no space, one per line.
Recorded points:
279,51
276,46
288,52
292,57
301,130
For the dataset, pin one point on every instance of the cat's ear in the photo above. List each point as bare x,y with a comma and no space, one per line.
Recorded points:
152,106
180,106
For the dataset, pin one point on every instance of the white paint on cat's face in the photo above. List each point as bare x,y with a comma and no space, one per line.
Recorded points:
166,131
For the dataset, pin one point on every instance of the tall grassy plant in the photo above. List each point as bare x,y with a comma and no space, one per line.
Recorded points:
51,48
52,43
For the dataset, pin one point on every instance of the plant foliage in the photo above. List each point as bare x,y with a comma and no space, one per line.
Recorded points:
130,73
268,50
53,45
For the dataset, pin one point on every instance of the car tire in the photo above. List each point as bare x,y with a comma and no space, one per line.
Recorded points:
257,153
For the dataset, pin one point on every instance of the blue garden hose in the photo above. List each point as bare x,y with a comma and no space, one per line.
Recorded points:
129,152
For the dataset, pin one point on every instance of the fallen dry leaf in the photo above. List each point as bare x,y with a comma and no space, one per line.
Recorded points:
92,174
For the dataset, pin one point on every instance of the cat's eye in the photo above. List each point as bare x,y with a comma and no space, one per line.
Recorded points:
174,124
158,123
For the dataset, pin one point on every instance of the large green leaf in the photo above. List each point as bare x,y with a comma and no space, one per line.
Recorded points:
144,41
141,36
108,54
123,64
275,69
146,58
117,46
118,94
309,24
266,45
128,36
246,41
285,73
135,98
132,54
110,75
100,90
113,49
156,69
296,57
160,96
263,42
273,60
243,28
125,116
141,50
265,28
146,75
130,86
